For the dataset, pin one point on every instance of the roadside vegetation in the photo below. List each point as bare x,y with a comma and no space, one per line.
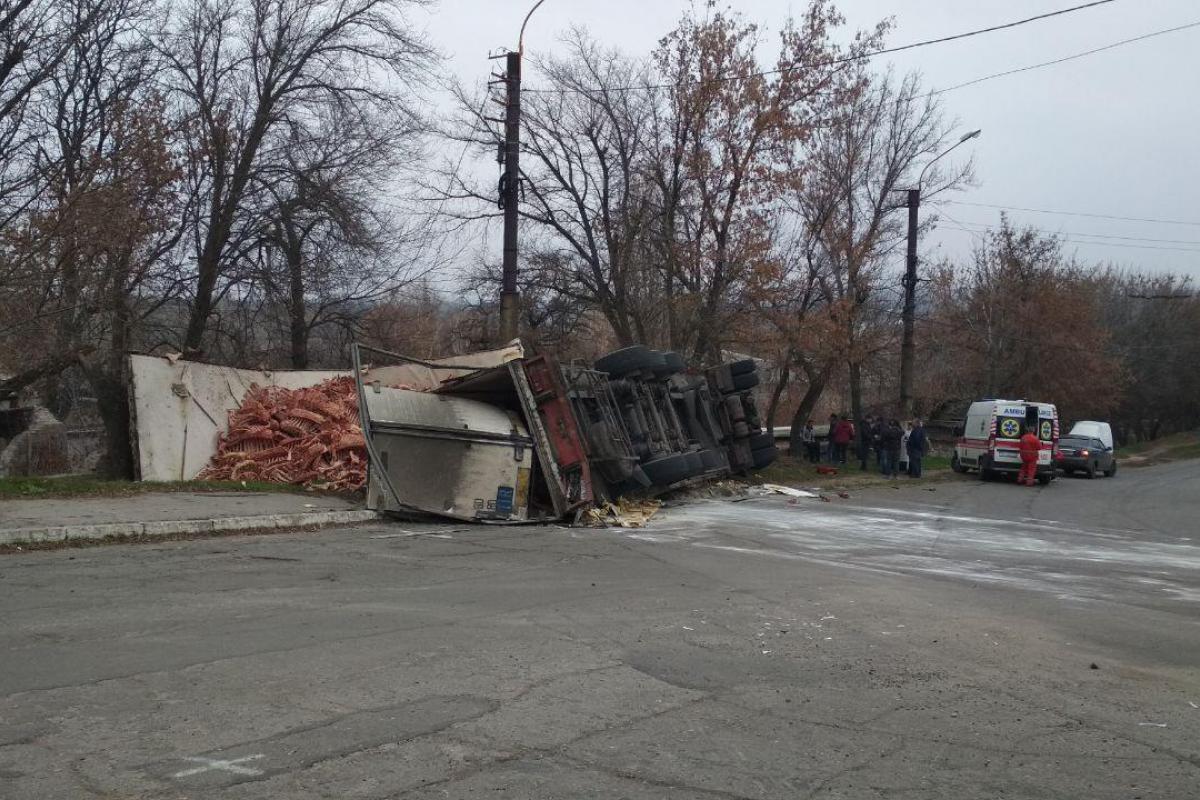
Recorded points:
803,475
1175,447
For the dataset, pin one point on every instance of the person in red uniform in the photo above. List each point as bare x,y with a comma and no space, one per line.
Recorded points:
1030,446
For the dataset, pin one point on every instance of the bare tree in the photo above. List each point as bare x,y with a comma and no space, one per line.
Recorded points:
87,257
727,137
874,147
253,75
35,38
329,243
585,144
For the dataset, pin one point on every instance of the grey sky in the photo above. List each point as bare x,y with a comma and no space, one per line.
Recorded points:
1113,133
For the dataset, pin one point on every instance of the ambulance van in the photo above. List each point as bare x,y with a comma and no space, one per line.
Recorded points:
989,440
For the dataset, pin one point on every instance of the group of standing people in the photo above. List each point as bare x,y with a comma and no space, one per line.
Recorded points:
896,449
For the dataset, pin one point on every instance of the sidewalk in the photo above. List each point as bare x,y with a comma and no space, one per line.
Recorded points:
167,513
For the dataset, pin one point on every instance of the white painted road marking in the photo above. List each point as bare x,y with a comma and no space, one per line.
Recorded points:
231,765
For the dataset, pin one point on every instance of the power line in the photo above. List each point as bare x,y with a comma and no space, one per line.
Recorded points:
1076,213
989,226
955,326
1064,59
831,62
1067,237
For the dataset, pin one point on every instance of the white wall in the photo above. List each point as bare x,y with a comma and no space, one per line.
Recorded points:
179,407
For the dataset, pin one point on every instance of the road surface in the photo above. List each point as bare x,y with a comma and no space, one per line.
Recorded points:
976,641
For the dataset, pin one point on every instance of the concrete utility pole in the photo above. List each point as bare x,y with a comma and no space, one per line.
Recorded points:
510,192
510,188
907,339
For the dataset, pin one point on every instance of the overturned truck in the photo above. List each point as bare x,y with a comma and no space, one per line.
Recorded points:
533,439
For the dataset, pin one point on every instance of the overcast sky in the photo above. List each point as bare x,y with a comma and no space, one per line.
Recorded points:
1116,133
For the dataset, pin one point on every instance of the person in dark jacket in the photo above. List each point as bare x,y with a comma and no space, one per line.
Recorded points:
918,446
864,441
877,440
892,436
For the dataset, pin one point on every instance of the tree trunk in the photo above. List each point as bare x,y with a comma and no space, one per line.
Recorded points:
112,401
297,308
193,337
67,330
784,378
110,384
816,387
855,391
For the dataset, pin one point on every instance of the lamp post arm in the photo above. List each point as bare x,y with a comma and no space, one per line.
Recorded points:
521,36
966,138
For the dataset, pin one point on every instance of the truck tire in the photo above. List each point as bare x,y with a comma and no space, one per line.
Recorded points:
761,441
629,359
765,456
674,362
713,460
956,465
742,367
655,364
747,380
668,469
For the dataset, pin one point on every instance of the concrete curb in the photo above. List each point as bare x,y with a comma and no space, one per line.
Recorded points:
171,527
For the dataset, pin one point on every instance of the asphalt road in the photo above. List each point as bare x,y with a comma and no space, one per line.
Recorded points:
900,644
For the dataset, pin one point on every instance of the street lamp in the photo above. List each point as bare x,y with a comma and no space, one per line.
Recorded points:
966,137
910,281
510,186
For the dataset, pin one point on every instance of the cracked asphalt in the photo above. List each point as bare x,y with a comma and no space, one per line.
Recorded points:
977,641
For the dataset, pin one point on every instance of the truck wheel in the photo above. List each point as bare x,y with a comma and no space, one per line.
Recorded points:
1044,479
713,460
765,456
761,441
745,381
629,359
674,362
668,469
956,465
